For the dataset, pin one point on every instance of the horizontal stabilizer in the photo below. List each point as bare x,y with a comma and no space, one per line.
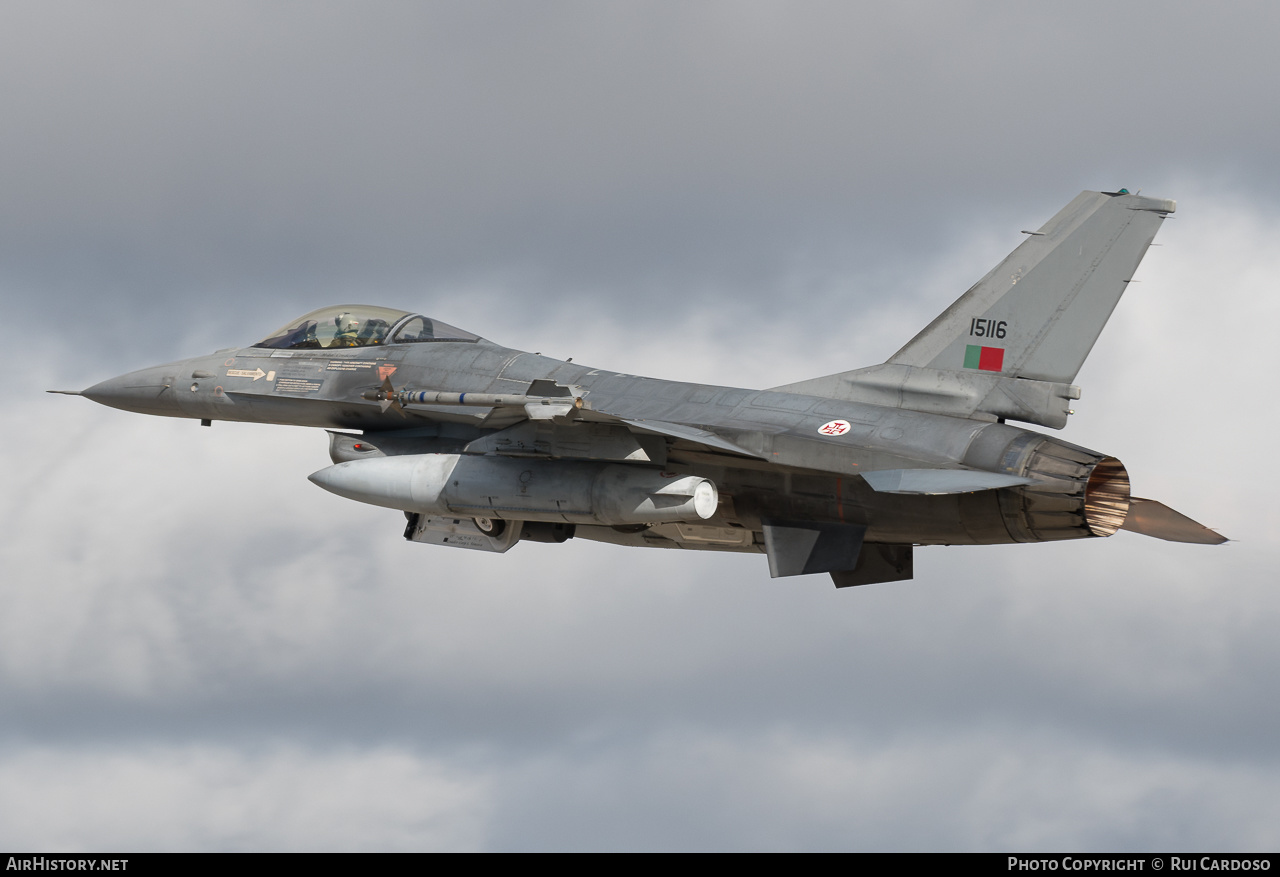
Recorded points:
937,481
1151,518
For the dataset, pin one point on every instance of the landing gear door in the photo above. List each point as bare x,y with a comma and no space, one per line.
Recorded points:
496,535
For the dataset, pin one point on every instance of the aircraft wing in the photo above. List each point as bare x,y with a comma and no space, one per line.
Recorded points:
689,434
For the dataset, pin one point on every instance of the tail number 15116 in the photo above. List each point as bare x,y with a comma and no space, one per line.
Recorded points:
987,328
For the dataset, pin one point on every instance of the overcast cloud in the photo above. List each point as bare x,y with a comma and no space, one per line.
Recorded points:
201,651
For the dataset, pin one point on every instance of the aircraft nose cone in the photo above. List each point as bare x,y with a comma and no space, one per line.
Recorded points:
147,392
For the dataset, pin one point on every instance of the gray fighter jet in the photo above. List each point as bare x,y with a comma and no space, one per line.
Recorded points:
482,446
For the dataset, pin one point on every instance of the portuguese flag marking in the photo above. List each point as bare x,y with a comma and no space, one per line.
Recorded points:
987,359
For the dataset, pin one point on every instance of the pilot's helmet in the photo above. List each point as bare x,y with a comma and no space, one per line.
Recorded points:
346,323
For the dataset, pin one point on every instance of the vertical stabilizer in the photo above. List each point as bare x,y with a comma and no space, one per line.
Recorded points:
1011,346
1038,313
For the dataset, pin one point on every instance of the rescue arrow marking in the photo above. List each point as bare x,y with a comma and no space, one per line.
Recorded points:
256,374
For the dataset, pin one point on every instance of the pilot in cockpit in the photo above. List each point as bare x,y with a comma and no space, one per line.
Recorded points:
346,326
348,331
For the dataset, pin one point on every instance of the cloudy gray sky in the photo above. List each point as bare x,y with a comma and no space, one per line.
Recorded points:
200,650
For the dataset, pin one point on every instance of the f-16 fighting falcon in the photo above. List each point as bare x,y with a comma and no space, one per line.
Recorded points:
482,446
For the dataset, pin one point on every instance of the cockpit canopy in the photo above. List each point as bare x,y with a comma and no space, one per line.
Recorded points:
360,326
